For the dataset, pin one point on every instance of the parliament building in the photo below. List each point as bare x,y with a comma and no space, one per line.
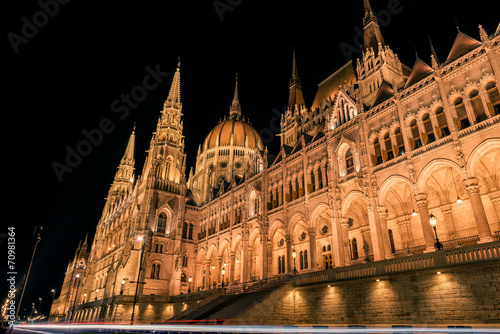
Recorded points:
383,147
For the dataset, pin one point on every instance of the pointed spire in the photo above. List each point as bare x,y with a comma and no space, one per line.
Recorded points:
483,34
369,16
296,98
174,96
235,108
372,35
434,57
128,156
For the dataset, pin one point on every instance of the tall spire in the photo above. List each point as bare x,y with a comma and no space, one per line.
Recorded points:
372,34
296,98
128,157
235,108
434,57
174,96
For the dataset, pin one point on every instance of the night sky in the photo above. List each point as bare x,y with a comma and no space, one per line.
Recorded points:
65,77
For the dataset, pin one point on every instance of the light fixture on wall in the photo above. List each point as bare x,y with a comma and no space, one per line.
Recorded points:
413,212
459,200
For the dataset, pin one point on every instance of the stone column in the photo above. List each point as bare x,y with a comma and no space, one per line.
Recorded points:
405,232
263,252
316,178
472,188
344,227
382,214
448,219
312,247
484,101
367,237
423,211
338,244
294,190
280,193
219,269
249,264
495,199
232,267
289,259
207,275
323,174
377,244
469,110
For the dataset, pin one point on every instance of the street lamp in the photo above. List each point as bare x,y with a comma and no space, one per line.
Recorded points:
36,233
139,238
223,272
53,291
190,280
433,220
294,255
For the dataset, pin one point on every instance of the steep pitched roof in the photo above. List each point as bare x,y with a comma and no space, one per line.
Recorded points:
328,88
462,44
385,91
419,71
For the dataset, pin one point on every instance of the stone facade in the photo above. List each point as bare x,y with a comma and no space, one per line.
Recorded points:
382,147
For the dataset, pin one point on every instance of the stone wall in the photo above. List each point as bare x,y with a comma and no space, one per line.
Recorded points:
465,294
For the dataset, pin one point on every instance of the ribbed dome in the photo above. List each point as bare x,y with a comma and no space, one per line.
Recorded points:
238,129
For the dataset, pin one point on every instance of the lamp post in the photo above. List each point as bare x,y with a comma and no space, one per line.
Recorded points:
36,233
223,272
294,255
121,290
433,221
139,238
190,280
53,291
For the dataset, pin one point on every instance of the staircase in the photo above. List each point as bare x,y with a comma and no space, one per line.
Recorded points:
222,308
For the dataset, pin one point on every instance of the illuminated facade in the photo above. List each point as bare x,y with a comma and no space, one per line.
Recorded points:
381,148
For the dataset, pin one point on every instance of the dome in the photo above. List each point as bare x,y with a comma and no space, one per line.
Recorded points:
236,128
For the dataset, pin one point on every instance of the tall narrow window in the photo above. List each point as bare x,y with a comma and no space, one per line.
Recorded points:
185,260
279,264
377,157
463,119
388,147
349,162
190,233
399,146
428,135
494,99
162,223
184,230
415,141
442,126
283,264
320,178
301,260
477,106
306,265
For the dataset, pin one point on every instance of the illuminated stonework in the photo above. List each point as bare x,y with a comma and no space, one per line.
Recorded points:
382,147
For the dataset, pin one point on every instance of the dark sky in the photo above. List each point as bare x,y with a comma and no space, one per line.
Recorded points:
65,76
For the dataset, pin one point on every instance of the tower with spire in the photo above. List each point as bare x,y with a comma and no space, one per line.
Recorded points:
379,65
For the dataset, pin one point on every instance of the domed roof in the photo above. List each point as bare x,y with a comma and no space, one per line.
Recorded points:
243,134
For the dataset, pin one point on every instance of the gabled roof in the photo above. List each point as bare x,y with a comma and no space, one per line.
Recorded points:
462,44
190,198
419,71
328,88
320,132
385,91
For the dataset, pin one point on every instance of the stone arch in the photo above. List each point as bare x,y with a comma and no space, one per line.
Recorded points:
387,185
430,168
474,164
295,219
351,196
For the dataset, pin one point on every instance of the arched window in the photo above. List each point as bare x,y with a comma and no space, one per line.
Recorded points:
354,246
349,162
389,154
463,120
185,260
494,98
184,230
183,278
283,264
415,141
442,125
190,234
306,265
477,106
391,240
155,271
428,135
162,223
377,157
399,146
313,181
279,264
320,178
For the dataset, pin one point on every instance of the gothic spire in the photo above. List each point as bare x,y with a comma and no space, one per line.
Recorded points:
235,108
296,98
174,96
372,34
128,157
